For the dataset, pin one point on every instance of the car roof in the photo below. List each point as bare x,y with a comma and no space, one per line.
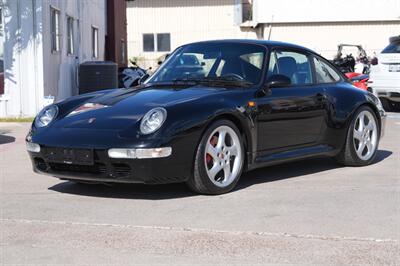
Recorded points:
259,42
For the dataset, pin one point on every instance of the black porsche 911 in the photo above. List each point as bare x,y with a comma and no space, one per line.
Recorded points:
244,104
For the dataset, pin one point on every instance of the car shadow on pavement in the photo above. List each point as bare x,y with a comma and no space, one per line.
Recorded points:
4,139
172,191
296,169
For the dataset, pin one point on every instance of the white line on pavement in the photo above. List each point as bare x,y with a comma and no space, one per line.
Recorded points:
198,230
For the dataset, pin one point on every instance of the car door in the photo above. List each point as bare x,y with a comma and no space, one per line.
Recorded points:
292,116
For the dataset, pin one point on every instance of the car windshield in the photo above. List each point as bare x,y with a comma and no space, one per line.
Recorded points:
236,63
393,48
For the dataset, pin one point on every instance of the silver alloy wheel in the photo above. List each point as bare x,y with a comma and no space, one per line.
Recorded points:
223,156
365,135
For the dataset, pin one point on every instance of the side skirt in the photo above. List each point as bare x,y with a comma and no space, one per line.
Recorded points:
293,155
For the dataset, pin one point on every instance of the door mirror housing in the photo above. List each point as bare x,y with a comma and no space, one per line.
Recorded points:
276,81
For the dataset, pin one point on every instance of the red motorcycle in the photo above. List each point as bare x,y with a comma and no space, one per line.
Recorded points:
359,80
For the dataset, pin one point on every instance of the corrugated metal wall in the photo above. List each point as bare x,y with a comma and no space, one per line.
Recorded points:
324,37
287,11
60,68
186,21
32,70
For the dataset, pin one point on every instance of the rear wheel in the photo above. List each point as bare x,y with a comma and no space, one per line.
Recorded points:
362,139
219,159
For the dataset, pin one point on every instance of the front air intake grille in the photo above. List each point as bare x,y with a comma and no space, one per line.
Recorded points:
97,168
121,170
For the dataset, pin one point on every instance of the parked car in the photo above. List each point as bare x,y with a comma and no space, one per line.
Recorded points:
385,75
253,104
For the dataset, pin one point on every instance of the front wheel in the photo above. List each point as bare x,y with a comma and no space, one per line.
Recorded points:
362,139
219,159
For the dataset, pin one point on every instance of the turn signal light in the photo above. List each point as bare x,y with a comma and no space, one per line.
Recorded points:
140,153
33,147
251,104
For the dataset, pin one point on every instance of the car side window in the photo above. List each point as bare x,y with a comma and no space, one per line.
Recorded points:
295,66
325,73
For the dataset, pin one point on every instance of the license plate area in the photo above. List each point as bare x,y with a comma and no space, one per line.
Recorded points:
69,156
394,68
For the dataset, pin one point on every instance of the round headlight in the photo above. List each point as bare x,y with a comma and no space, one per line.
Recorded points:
46,116
153,120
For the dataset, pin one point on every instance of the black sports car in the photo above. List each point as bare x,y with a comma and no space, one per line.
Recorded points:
245,104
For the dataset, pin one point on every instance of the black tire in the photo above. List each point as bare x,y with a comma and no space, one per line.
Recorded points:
199,182
387,104
348,155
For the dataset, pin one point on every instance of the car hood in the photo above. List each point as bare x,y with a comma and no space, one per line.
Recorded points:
122,108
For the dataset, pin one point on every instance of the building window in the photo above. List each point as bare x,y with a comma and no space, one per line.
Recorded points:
148,42
160,40
70,36
55,30
163,42
95,42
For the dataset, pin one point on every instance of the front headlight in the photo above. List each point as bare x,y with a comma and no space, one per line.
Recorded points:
45,116
153,120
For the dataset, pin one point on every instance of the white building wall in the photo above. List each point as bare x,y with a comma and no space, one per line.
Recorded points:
23,75
186,21
323,24
61,69
290,11
324,37
32,71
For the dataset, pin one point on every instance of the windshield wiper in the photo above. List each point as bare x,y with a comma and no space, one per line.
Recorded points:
213,81
216,81
229,81
194,81
175,82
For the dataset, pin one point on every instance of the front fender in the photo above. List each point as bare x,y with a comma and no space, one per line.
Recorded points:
193,118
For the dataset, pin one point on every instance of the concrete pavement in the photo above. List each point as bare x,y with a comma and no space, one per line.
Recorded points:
309,212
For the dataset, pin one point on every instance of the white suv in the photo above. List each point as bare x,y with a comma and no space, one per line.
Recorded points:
385,76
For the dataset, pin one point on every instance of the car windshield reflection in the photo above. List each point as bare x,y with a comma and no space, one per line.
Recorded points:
236,64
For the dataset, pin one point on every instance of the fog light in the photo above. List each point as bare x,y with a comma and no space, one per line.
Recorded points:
122,153
33,147
140,153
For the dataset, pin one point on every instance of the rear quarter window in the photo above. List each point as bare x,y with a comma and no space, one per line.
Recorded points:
324,72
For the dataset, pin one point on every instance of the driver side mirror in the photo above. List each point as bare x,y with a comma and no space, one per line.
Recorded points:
276,81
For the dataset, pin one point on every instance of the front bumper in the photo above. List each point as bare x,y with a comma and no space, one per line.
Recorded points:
172,169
